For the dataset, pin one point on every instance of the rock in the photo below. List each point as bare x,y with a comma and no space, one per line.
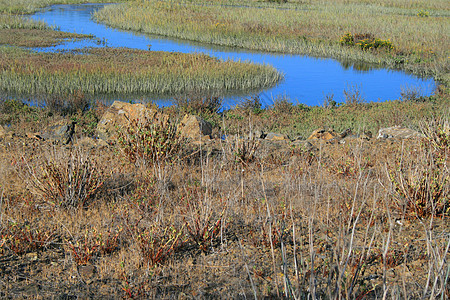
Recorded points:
32,256
61,133
2,132
276,137
366,135
347,132
120,114
323,134
87,271
398,133
194,128
257,134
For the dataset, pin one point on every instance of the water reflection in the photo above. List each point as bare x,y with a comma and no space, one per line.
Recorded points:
307,79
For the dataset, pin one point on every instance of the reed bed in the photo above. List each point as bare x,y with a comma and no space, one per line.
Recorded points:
30,6
112,70
418,30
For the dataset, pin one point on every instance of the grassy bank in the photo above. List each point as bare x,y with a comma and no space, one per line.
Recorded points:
109,70
413,36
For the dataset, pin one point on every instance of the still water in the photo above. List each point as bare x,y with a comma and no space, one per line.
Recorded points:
307,79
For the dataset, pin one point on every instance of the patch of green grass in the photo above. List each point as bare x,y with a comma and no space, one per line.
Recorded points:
121,70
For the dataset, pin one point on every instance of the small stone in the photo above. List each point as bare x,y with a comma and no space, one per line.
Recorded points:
87,271
194,128
32,256
398,132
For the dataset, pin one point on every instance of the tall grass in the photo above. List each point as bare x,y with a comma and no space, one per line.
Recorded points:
421,44
122,70
30,6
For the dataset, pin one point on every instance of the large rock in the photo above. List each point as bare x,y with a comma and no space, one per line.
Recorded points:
323,134
60,133
194,128
398,132
120,114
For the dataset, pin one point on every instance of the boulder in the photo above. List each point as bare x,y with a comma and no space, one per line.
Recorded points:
59,133
323,134
398,132
120,114
276,137
194,128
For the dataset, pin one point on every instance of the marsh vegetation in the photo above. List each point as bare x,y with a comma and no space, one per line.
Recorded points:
155,214
417,42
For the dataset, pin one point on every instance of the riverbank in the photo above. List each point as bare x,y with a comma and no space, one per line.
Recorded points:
395,35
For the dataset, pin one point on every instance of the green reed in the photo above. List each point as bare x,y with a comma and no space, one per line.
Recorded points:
120,70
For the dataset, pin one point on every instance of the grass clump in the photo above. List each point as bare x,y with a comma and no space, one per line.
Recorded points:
110,70
150,143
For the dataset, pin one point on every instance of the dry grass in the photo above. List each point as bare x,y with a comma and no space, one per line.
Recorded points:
324,223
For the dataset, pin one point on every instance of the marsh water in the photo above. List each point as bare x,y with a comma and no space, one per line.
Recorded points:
307,79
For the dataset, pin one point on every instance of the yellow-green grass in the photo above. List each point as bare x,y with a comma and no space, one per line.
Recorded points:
24,32
30,6
417,29
121,70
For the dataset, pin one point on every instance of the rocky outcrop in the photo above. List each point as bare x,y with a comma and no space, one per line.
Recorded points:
398,132
323,134
194,128
120,114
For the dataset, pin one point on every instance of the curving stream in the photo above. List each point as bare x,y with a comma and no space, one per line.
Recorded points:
307,79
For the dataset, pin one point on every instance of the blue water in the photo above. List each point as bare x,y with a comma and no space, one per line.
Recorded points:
307,80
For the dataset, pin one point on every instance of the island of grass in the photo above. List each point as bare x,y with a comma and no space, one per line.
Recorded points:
409,35
113,70
121,70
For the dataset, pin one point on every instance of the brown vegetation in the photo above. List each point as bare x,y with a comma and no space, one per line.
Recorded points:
228,218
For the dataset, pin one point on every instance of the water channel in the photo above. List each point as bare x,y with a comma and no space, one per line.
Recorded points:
307,80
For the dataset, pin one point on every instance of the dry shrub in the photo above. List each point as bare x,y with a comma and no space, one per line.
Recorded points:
421,182
68,104
204,216
67,178
22,238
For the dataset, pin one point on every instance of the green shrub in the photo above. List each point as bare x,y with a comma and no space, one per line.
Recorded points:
151,143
